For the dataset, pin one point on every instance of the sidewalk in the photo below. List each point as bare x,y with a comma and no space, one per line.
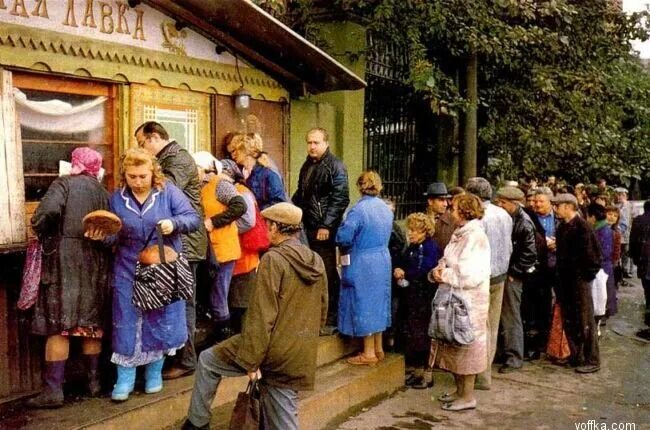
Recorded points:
542,395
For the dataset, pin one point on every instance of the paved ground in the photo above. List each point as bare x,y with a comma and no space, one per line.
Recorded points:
542,395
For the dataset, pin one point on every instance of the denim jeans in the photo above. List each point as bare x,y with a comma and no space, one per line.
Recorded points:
219,291
279,405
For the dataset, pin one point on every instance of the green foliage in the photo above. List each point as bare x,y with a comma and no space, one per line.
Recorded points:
560,92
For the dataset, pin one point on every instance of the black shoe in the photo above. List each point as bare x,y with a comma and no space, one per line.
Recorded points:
412,379
506,368
588,368
48,399
328,330
187,425
421,384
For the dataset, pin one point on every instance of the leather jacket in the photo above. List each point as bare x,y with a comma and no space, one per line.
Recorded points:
524,252
322,192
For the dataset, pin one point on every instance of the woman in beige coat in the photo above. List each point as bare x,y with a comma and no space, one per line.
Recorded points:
465,268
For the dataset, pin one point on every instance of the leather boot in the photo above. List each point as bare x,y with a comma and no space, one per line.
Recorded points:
52,394
92,364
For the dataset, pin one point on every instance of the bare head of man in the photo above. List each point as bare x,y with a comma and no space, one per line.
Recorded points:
317,143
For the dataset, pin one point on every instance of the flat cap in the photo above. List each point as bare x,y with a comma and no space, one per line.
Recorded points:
565,198
620,190
284,213
510,193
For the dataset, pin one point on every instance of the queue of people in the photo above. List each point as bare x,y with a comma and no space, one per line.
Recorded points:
280,273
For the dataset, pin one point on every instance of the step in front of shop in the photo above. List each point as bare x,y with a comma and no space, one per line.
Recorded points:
154,411
340,390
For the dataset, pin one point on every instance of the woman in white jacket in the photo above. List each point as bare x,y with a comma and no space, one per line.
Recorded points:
465,268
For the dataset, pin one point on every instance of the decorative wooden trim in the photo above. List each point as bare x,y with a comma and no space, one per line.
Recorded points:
50,51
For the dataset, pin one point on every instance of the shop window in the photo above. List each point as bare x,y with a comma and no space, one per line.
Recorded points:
181,124
57,115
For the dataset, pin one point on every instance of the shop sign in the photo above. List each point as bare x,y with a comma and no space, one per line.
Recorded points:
110,20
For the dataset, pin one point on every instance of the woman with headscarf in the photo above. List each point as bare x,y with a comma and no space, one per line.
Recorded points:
364,303
74,275
261,178
143,337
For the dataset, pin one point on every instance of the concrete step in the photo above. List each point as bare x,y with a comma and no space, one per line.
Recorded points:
157,410
340,390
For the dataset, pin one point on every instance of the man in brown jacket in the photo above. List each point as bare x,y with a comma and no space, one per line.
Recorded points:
279,339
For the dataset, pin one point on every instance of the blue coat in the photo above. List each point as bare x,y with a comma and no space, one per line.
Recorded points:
364,303
266,185
163,328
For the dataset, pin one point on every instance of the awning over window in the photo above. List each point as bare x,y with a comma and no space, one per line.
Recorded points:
264,42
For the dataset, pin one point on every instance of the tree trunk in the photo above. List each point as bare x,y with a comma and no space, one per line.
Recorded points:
470,138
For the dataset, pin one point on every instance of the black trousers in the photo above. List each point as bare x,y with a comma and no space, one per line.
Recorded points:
327,251
574,296
537,310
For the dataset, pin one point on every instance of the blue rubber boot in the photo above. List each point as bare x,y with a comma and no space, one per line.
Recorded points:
153,381
124,385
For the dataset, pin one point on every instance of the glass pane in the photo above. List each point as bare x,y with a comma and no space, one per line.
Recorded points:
181,124
52,125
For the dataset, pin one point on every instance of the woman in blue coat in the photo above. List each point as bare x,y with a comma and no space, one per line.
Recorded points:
144,337
364,304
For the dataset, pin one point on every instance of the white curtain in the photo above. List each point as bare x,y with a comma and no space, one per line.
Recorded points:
57,116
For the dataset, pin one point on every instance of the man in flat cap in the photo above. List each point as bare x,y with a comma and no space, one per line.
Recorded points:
578,261
498,227
522,262
437,204
279,338
624,224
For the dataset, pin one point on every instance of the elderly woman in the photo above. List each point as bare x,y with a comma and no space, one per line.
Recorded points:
421,255
364,303
74,275
261,178
465,268
142,338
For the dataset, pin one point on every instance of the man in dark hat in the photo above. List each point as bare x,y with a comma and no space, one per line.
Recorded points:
289,301
578,261
437,204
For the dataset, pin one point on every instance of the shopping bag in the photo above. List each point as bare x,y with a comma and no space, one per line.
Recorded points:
31,275
558,344
599,293
246,415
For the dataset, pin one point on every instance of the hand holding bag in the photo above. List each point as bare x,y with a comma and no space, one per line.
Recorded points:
450,318
161,275
246,414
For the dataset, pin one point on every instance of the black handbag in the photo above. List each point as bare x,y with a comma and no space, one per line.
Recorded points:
246,414
159,284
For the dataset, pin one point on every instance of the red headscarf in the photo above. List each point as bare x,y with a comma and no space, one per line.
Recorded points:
86,160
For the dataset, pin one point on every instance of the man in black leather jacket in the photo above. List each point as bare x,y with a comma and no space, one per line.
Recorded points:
522,262
323,196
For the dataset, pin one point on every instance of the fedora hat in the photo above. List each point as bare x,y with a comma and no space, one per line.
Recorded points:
437,189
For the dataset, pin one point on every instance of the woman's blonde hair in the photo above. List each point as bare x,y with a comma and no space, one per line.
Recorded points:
252,145
369,183
420,221
138,157
469,206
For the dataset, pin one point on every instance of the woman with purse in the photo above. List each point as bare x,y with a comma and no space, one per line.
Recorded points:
465,271
74,275
143,337
364,303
